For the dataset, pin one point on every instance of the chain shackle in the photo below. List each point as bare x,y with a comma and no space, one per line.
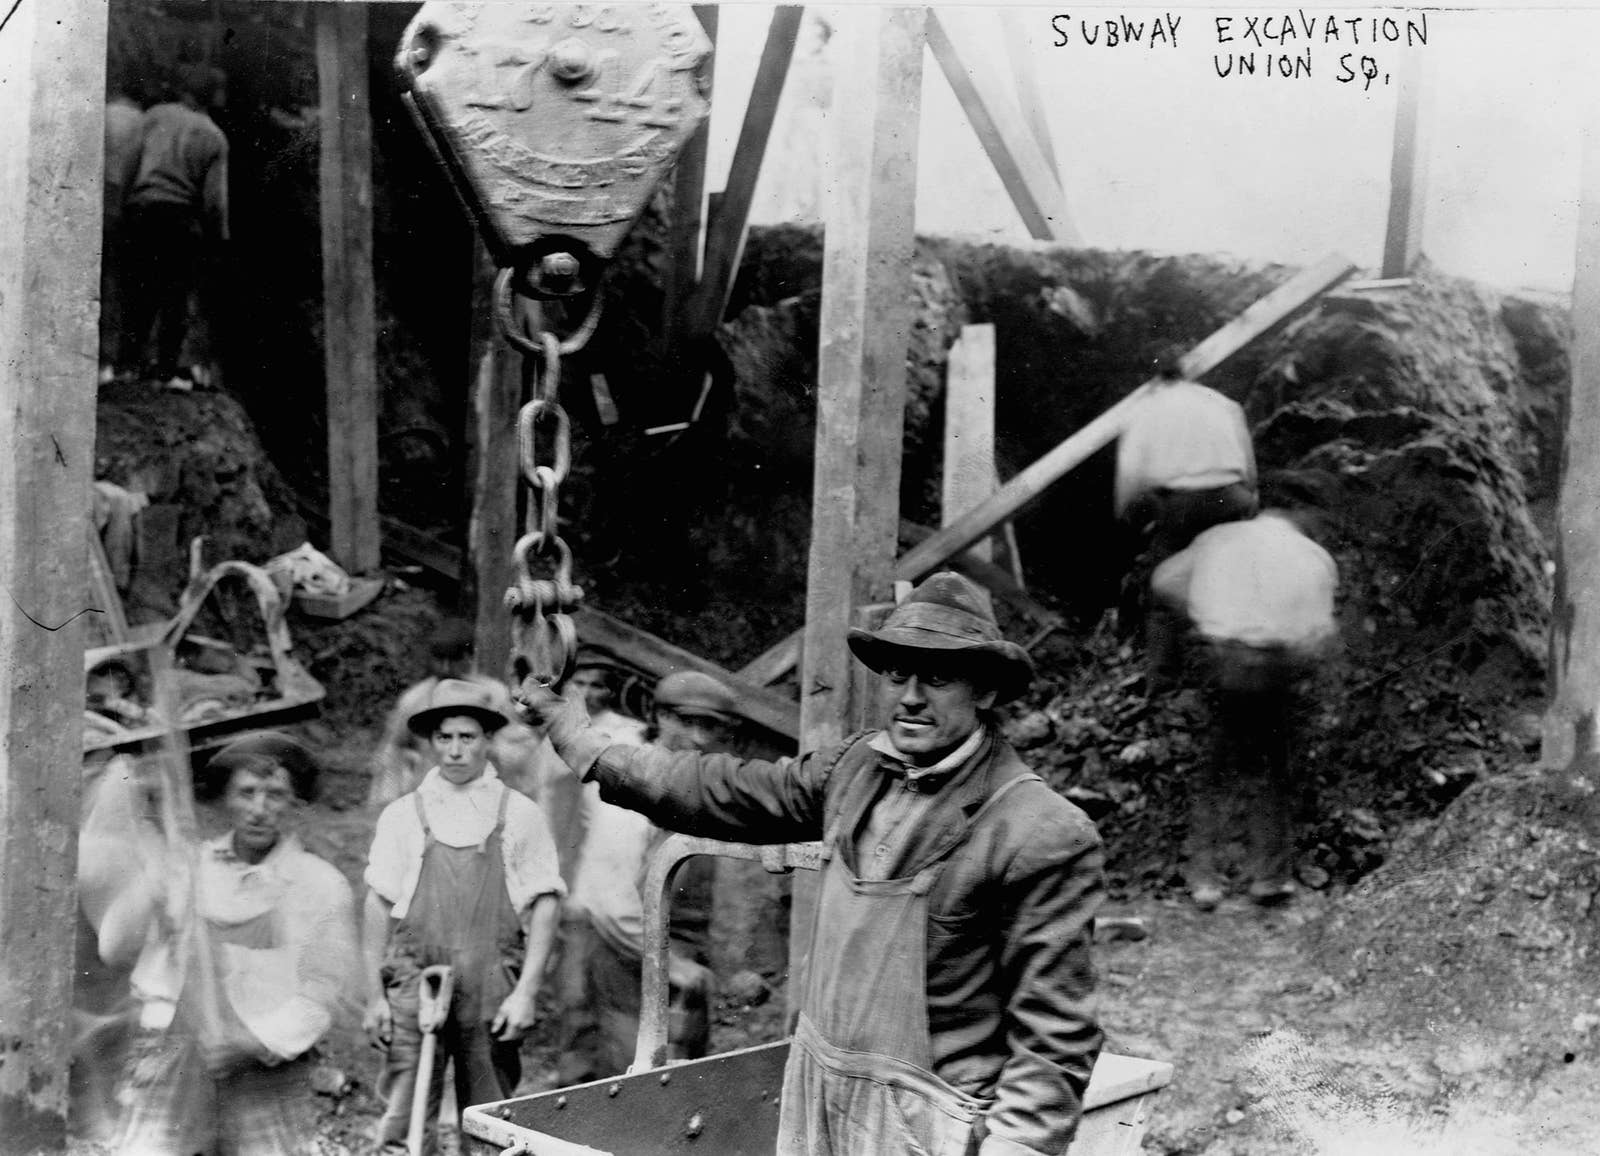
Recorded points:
516,334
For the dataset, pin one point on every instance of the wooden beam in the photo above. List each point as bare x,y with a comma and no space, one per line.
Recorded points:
1029,179
1572,719
1020,58
774,663
687,230
766,708
1408,168
969,475
729,224
348,310
1266,315
492,527
864,329
52,132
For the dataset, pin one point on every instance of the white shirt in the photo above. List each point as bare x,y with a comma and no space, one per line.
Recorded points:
1260,582
1182,436
285,995
463,816
616,841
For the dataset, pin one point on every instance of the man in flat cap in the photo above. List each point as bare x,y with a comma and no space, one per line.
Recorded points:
246,954
692,712
948,1000
462,872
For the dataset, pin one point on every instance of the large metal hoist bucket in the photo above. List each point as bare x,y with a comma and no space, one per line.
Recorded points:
727,1104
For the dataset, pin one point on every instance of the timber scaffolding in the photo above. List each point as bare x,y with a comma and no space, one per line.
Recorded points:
50,174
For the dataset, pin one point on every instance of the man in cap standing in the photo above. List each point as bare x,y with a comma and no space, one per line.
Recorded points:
948,1000
462,872
692,712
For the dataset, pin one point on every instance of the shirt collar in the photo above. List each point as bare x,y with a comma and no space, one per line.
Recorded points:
221,849
436,783
895,761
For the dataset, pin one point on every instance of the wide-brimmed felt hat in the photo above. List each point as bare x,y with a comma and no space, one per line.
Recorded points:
952,616
259,750
696,695
457,696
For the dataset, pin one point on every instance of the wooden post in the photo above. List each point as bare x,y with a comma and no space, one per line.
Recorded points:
348,309
865,327
1030,181
731,216
1408,169
969,475
492,528
682,271
52,132
1572,721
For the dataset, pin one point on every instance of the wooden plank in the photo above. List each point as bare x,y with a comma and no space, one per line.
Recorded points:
492,528
52,131
1030,181
350,343
1572,718
730,223
687,230
1026,78
1267,314
969,475
1408,169
766,708
864,331
774,663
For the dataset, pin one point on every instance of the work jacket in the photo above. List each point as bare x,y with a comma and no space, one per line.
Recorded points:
1009,979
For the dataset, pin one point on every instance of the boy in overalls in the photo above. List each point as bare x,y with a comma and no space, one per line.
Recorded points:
462,872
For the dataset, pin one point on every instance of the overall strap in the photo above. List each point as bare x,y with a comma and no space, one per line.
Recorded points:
1030,777
422,817
500,815
831,833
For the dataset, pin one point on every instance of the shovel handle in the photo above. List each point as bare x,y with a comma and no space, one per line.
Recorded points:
435,988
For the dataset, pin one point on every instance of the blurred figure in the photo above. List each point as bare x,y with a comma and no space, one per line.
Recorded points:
118,834
176,221
461,872
1259,596
245,955
1185,462
693,712
124,139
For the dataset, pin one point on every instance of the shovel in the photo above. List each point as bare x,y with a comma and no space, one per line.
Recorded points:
435,986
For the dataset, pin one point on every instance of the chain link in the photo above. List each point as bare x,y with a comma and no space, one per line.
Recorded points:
544,641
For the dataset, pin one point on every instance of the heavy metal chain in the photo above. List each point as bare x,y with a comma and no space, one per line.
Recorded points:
544,642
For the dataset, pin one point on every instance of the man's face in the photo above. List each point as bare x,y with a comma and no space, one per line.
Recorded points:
596,690
258,805
689,732
461,748
928,707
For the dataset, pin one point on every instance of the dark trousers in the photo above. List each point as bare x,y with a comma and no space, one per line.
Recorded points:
484,1068
1258,698
162,245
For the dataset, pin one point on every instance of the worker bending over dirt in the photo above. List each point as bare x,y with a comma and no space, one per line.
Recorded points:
1185,462
947,1001
1259,595
246,951
692,712
462,872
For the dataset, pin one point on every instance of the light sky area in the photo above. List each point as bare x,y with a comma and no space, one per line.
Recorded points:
1158,152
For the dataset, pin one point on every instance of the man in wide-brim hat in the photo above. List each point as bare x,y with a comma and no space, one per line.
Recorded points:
945,1005
462,872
